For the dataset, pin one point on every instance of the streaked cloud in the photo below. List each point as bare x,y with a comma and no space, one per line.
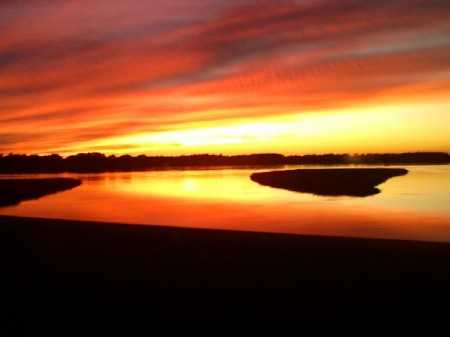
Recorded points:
74,72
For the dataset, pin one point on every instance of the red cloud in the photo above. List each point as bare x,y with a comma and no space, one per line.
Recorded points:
149,66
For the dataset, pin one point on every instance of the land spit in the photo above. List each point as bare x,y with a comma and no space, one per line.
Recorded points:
14,191
358,182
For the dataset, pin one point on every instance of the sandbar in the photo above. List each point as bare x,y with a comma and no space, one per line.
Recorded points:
14,191
357,182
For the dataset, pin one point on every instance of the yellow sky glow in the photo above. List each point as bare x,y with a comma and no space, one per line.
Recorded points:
400,127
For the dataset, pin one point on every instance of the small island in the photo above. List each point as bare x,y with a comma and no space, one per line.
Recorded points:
14,191
356,182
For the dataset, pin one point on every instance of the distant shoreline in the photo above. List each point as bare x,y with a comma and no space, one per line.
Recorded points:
97,162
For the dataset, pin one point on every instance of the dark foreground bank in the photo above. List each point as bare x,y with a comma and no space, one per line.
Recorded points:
80,278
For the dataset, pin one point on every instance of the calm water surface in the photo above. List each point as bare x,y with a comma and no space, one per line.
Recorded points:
412,207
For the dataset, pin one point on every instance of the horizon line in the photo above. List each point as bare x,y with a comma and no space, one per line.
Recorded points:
227,155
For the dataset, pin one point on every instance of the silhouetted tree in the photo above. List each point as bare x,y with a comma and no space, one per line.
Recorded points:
98,162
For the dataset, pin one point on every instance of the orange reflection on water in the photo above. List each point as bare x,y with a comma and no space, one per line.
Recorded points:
411,207
195,185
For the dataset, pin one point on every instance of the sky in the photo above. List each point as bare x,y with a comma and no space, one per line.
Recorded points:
224,76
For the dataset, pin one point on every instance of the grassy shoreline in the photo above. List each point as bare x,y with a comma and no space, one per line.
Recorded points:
356,182
125,277
14,191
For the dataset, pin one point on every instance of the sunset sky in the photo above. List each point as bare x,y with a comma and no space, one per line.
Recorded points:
224,76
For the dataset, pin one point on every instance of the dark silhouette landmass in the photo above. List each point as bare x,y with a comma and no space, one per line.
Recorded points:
358,182
103,279
98,162
14,191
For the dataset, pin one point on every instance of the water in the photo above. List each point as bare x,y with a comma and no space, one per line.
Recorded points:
411,207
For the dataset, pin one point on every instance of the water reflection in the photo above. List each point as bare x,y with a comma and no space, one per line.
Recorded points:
413,207
195,185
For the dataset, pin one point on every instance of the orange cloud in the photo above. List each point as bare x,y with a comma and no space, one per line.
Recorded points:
75,72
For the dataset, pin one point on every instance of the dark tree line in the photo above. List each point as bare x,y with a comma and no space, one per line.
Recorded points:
98,162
